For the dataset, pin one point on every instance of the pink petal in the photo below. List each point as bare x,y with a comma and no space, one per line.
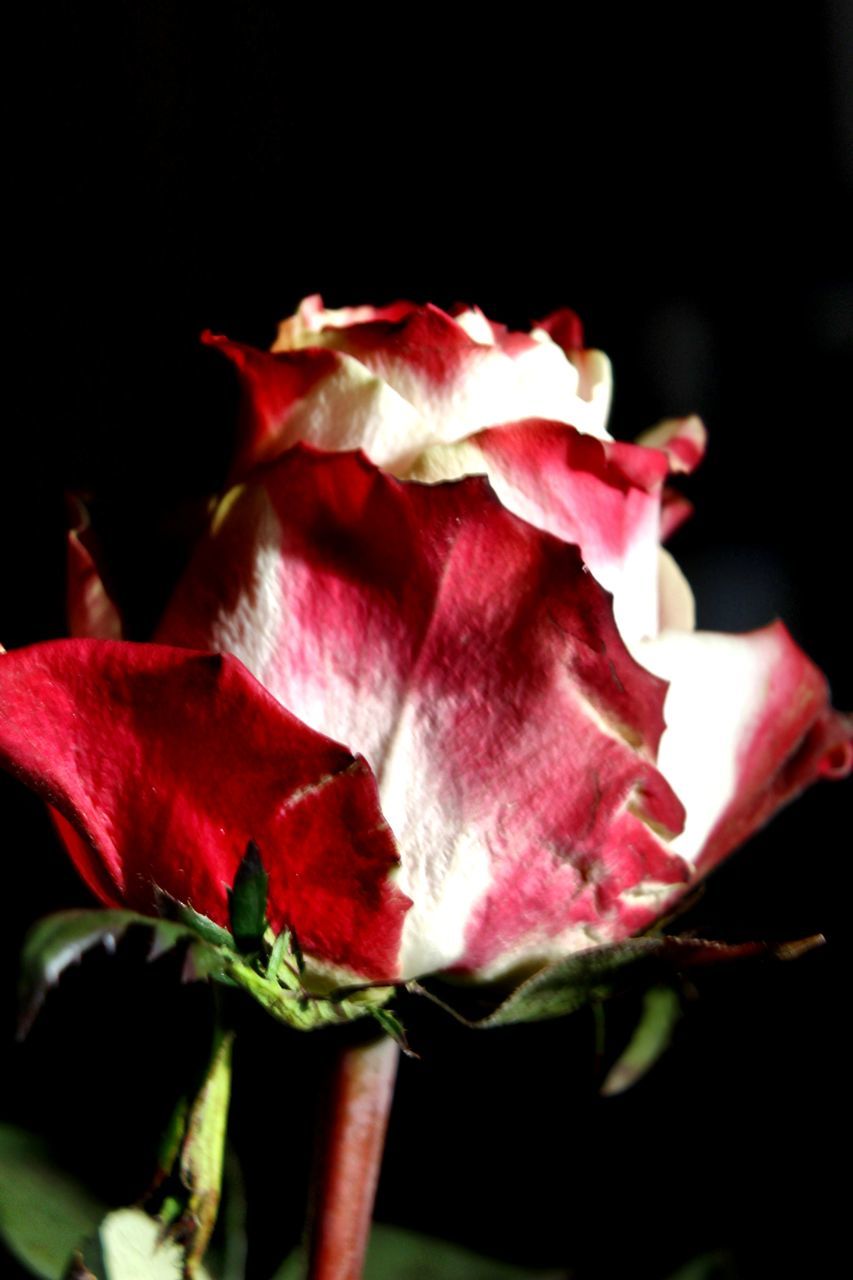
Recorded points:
749,726
475,663
163,764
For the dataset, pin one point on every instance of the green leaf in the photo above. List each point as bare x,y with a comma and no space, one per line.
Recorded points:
247,901
651,1038
44,1211
402,1255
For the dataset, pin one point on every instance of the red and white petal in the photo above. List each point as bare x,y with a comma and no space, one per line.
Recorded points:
603,496
324,398
749,725
683,440
476,664
312,317
163,764
90,608
459,384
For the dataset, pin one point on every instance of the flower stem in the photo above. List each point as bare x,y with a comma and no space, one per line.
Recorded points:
348,1159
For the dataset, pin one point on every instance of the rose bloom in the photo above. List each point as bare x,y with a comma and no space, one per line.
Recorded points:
482,731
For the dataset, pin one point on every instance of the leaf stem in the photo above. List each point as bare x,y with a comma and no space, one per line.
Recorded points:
348,1158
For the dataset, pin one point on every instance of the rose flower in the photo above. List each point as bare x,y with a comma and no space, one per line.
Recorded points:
538,754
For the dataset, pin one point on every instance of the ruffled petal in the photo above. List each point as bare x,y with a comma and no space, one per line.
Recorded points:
163,764
475,663
749,725
603,496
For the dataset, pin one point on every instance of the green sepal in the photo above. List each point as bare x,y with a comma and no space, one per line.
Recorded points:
566,985
652,1035
247,902
60,940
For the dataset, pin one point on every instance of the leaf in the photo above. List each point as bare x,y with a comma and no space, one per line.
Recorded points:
44,1211
394,1254
566,985
651,1038
203,1153
247,901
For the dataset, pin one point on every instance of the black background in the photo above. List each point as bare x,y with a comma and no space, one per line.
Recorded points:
685,185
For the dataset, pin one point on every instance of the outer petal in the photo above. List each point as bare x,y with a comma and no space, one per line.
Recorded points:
604,496
476,664
163,764
748,727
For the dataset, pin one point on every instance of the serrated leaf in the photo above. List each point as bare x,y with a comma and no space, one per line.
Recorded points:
652,1036
44,1212
247,901
394,1254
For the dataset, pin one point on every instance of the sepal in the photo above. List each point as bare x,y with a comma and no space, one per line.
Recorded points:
61,940
594,975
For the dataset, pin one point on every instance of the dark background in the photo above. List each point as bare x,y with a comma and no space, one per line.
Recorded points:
685,184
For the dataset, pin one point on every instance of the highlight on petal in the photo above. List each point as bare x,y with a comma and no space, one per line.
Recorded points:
163,764
475,663
749,725
90,608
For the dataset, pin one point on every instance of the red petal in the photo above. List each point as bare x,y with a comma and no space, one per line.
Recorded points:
166,763
475,662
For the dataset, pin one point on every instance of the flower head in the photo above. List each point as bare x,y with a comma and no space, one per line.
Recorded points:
537,752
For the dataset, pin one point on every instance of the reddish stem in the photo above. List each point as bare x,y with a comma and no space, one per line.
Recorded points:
348,1159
